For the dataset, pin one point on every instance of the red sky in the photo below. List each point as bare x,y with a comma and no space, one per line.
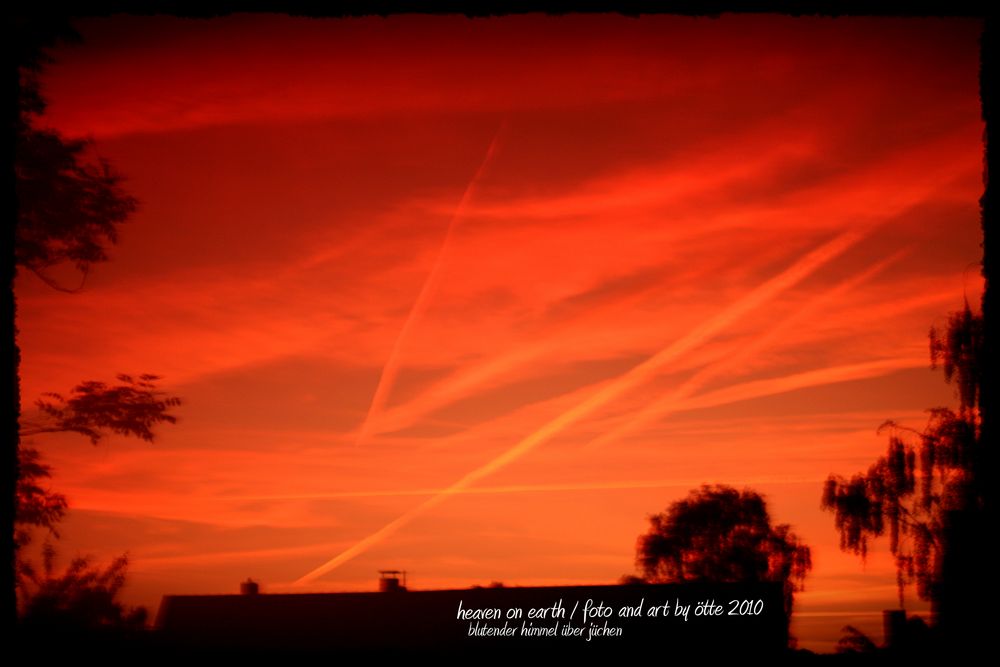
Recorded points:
582,265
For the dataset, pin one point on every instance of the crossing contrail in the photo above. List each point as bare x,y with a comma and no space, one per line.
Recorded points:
742,351
610,390
390,370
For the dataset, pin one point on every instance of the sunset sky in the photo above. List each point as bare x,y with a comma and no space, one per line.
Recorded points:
473,298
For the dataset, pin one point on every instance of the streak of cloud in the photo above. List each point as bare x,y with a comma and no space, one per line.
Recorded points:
797,272
739,353
390,370
813,378
528,488
231,556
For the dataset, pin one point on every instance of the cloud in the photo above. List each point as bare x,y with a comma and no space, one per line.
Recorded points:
390,370
610,390
297,179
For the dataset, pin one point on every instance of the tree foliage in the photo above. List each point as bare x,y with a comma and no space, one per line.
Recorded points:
69,201
92,409
82,597
855,641
924,475
721,534
70,204
960,349
35,505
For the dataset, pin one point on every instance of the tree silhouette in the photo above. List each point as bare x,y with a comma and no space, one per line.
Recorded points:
69,201
133,408
928,490
35,505
855,641
92,409
70,204
82,597
721,534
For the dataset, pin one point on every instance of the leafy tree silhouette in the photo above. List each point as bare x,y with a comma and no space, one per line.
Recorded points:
855,641
93,409
83,597
70,204
69,201
133,408
928,490
35,505
721,534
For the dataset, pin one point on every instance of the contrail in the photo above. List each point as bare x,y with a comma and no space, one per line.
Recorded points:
669,403
458,385
611,390
391,368
626,485
812,378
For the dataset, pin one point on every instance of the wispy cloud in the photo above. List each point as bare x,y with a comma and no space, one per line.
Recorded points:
611,390
647,244
390,370
739,353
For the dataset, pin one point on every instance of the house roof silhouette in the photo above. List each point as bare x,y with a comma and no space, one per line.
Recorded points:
459,621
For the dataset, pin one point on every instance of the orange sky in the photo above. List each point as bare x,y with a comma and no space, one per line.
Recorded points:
472,298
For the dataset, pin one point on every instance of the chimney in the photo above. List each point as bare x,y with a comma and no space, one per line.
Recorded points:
249,587
389,581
